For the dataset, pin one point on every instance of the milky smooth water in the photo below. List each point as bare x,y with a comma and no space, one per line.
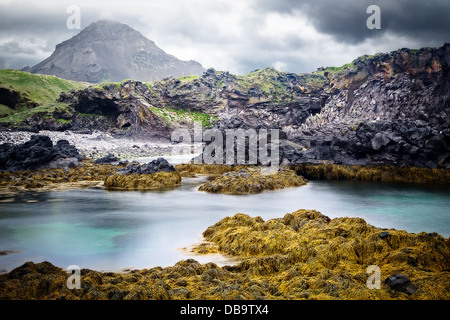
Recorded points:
113,230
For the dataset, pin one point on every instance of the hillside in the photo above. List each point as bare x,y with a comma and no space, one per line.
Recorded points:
23,94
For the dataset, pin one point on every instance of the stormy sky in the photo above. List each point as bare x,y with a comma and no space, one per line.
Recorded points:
233,35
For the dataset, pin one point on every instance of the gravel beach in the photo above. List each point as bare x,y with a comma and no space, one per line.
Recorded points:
97,144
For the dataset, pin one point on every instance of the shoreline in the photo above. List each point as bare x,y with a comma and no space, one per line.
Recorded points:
303,255
97,144
281,258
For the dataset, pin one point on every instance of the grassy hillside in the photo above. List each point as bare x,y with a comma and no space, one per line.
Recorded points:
27,93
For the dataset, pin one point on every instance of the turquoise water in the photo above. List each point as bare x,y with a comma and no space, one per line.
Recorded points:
105,230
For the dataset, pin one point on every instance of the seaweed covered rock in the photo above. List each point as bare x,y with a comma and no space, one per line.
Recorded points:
253,180
329,257
373,173
303,255
153,175
88,174
210,169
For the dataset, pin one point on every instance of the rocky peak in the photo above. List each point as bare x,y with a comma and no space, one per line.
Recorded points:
112,51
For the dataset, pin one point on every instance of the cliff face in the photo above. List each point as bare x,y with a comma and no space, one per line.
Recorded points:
387,109
122,109
112,51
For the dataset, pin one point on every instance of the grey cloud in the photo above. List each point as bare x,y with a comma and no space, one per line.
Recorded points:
240,42
346,19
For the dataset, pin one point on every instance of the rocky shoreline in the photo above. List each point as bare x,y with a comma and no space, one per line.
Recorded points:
304,255
95,144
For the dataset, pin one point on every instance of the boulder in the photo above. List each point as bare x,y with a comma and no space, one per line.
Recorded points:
400,282
110,158
39,152
157,174
154,166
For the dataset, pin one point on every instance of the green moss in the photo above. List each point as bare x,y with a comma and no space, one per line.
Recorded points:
63,121
5,110
267,81
176,116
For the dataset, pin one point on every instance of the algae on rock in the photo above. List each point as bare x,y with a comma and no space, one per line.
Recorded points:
156,174
304,255
143,181
324,258
253,180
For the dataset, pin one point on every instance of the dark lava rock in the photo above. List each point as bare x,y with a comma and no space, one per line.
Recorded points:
384,234
400,282
36,153
65,150
157,165
110,158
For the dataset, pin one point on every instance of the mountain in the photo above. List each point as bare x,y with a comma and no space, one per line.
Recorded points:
112,51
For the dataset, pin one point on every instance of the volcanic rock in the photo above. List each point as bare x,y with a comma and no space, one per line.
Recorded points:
38,152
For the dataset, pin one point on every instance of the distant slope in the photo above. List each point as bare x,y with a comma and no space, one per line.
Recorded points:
112,51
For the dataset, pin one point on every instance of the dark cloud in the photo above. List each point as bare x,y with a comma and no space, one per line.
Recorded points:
424,20
238,36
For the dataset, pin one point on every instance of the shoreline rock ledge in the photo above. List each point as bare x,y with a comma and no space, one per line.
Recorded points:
156,174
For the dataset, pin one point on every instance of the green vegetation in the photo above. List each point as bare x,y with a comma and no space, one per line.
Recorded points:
32,90
5,110
267,80
104,84
263,78
24,113
42,89
188,78
173,116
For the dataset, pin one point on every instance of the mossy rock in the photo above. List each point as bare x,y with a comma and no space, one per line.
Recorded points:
303,255
153,181
374,173
212,169
325,258
48,179
253,180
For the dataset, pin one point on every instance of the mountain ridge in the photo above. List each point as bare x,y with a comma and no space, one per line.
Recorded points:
111,51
